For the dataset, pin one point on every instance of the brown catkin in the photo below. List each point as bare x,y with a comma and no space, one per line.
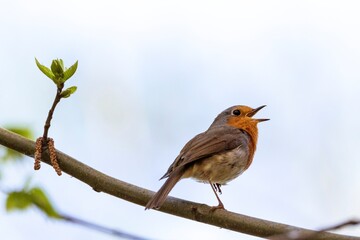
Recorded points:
38,152
53,158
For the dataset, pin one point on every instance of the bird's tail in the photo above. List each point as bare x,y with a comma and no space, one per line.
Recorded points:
159,198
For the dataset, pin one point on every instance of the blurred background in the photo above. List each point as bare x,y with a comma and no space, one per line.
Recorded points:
152,74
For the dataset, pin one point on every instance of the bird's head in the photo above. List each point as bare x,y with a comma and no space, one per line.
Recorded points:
239,116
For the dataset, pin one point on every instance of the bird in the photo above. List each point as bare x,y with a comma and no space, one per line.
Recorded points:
218,155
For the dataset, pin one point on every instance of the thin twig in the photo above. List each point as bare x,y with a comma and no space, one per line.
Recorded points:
298,235
51,113
186,209
48,143
99,228
341,225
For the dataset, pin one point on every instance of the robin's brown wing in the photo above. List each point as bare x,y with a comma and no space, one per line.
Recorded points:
208,143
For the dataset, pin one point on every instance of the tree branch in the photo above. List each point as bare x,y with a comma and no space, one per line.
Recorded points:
99,228
298,235
186,209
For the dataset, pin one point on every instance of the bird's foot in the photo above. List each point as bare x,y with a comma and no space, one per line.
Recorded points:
220,206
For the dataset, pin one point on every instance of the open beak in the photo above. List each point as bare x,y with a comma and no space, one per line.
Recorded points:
254,111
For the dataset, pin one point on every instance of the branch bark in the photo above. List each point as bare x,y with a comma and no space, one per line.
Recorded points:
178,207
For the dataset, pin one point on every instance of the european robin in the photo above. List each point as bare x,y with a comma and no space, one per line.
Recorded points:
218,155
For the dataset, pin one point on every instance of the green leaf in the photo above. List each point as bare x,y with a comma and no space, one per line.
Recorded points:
45,70
69,72
40,200
21,200
57,68
61,63
67,92
18,201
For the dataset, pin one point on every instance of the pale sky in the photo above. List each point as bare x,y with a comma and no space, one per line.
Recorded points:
153,74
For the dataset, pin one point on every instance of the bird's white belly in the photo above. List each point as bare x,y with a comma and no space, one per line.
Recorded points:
220,168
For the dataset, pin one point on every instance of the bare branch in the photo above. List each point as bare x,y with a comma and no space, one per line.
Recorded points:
298,235
351,222
186,209
51,113
94,226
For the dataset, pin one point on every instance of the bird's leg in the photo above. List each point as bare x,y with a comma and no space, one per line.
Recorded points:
214,187
218,185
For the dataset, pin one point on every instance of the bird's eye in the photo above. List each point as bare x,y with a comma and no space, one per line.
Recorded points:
236,112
